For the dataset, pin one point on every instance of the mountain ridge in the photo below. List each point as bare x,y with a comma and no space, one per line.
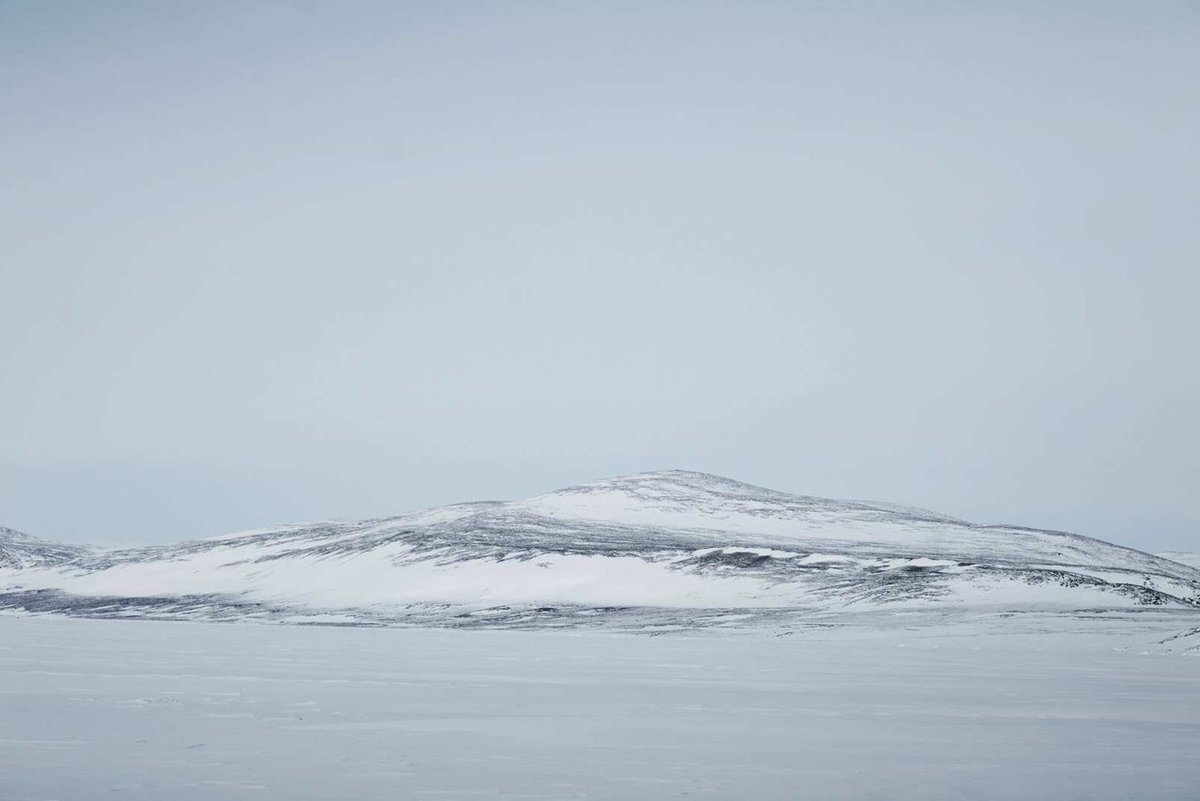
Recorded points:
678,546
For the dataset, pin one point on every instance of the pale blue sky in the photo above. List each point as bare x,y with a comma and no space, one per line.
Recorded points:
276,261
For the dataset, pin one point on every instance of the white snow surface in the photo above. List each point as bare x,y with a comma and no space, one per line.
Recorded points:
1034,708
653,549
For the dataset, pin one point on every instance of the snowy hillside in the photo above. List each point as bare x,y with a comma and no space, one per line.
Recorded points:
19,550
1183,558
653,549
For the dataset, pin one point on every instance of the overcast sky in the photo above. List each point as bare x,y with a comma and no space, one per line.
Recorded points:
279,261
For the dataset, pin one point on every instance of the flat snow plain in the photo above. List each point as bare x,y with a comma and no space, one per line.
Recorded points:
1024,708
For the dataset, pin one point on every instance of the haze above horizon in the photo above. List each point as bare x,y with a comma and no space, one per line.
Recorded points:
286,261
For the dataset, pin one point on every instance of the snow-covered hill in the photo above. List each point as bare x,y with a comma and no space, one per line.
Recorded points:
1182,557
19,551
663,548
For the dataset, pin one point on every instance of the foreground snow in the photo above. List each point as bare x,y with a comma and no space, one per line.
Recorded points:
1031,708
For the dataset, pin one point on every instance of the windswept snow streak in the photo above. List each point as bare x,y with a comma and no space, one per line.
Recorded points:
655,549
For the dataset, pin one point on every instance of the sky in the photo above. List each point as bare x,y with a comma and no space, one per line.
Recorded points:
284,261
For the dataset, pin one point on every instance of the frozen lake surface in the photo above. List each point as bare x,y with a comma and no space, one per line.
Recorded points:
1053,708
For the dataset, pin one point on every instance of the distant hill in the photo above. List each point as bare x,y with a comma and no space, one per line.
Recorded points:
652,549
